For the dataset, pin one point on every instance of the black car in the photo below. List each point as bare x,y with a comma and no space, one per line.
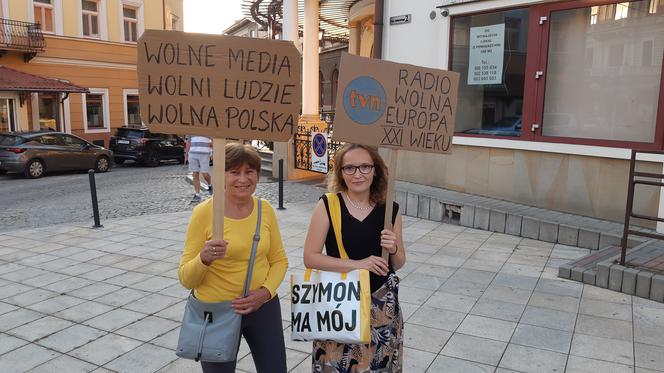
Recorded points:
145,147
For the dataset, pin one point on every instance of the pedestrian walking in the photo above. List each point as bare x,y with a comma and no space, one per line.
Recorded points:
359,179
200,148
216,269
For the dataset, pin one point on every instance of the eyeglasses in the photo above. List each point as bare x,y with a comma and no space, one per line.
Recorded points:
350,169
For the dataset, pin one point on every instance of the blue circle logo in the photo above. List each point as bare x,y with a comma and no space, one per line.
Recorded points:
364,100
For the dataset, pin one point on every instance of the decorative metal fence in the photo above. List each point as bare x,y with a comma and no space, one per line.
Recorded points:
302,145
23,36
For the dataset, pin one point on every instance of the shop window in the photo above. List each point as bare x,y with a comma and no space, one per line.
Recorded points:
130,21
90,14
49,112
43,10
95,109
615,95
335,83
7,115
489,51
133,111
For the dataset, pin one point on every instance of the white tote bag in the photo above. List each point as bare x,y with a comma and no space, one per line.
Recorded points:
331,305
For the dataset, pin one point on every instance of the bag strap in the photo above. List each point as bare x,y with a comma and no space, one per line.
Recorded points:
254,247
335,214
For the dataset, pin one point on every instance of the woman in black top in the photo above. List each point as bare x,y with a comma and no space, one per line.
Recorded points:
360,180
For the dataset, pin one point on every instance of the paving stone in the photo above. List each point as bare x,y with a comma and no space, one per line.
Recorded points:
105,349
497,221
83,311
71,338
565,271
513,224
647,356
548,231
114,319
589,276
603,271
657,288
412,204
436,210
65,364
554,301
17,318
475,349
146,358
577,273
453,365
425,338
643,282
606,309
10,343
529,359
25,358
629,281
578,364
604,327
543,338
423,205
615,277
588,239
530,227
486,327
148,328
481,220
606,239
612,350
498,309
400,198
568,235
467,216
40,328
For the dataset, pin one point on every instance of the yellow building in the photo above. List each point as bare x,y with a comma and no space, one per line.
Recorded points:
90,44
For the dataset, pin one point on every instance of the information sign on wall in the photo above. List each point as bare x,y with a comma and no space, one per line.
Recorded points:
487,47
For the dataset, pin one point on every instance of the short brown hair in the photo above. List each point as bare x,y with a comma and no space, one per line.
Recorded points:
238,154
378,190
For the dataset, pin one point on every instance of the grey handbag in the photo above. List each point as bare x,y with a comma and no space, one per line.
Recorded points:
211,331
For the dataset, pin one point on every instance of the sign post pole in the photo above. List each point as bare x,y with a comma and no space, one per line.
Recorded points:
389,200
219,183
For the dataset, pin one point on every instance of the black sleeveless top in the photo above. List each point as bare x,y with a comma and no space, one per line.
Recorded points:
361,238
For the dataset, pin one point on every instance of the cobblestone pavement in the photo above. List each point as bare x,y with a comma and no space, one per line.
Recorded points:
108,300
124,192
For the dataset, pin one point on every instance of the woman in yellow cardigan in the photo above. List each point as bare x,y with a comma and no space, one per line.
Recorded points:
216,269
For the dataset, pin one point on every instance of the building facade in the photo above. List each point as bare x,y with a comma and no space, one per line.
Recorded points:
88,43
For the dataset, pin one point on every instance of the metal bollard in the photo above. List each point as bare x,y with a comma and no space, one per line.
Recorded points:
93,194
281,185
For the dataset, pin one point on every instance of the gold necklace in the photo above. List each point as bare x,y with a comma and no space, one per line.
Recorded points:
356,205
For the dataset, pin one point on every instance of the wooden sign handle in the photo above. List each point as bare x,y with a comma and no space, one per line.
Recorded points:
219,183
389,198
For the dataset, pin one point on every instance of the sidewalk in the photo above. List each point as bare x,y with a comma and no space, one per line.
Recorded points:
77,299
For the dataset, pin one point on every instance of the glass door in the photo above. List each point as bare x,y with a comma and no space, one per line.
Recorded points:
7,116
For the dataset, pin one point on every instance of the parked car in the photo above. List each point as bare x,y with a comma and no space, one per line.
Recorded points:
35,153
142,146
507,126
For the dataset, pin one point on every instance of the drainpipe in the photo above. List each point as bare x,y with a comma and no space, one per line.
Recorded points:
379,6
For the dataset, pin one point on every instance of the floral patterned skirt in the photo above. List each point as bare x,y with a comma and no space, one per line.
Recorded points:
384,354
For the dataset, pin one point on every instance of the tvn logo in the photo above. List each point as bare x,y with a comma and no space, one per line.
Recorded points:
364,100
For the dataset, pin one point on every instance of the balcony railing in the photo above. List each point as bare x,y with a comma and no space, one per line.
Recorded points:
21,36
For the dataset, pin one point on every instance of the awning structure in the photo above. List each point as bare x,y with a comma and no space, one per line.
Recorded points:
17,81
333,15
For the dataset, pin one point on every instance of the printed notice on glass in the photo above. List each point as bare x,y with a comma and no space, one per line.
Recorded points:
487,47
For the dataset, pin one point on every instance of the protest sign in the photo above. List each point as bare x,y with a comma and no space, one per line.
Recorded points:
219,86
394,105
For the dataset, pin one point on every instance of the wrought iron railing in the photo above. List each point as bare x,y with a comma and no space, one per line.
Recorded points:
302,147
22,36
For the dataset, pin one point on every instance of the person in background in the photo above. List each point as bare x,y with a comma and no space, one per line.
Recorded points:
216,269
200,148
359,178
